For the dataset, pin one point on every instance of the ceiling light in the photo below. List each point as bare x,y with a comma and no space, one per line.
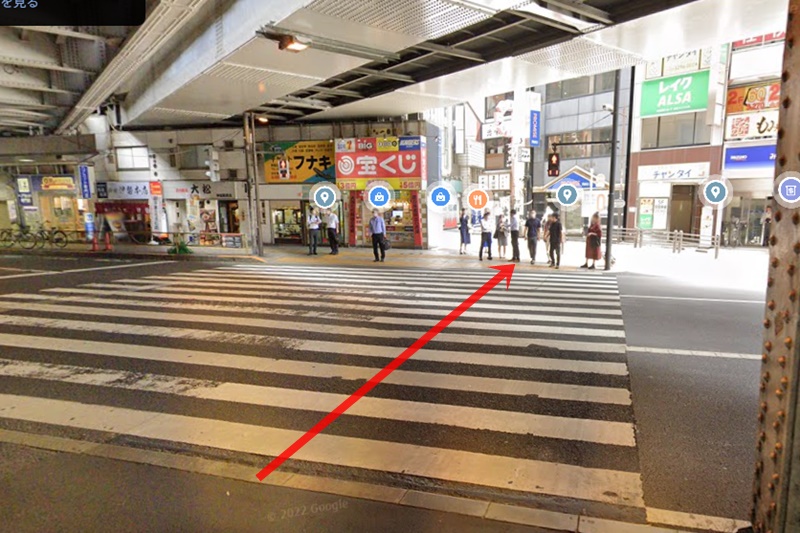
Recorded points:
292,43
25,160
262,119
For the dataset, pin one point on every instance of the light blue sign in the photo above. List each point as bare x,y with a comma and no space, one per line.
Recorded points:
324,198
567,195
379,196
789,190
715,192
440,197
536,128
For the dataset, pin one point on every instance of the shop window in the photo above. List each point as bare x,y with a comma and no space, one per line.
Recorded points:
686,129
604,82
601,150
496,154
572,151
193,156
576,87
553,91
133,158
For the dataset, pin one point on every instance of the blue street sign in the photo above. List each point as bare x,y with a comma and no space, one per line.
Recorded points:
86,186
536,128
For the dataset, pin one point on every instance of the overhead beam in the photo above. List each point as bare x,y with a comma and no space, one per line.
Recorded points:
451,51
335,92
43,66
382,74
18,112
65,31
280,110
14,122
579,8
29,87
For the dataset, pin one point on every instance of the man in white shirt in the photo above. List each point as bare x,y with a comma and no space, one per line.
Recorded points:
513,226
332,220
313,232
487,229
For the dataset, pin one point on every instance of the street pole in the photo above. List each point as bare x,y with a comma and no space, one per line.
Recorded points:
251,166
776,487
612,179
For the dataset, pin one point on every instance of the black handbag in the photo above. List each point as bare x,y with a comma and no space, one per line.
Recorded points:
387,244
594,241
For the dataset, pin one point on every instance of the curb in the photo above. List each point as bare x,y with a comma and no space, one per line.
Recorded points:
496,512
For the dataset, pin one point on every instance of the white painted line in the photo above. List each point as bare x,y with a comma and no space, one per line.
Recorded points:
601,525
526,312
695,521
593,484
345,295
488,326
553,391
280,325
696,353
295,281
760,302
443,502
532,517
79,270
554,427
324,288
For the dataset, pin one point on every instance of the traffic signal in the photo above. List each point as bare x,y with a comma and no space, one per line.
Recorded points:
283,168
212,163
554,165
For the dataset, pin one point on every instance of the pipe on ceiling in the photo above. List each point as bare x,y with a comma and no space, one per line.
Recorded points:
166,19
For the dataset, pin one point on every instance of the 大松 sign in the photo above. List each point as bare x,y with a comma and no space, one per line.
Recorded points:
676,94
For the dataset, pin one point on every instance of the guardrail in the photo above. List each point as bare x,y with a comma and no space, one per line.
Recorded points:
32,239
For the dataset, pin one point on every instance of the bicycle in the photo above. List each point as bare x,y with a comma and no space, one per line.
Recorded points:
53,237
21,236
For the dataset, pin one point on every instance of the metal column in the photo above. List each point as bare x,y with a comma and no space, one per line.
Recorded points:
776,488
612,179
251,164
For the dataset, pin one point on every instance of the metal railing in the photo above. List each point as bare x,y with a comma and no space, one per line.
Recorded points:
9,238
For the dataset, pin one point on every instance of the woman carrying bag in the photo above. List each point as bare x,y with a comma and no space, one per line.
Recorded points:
594,239
501,234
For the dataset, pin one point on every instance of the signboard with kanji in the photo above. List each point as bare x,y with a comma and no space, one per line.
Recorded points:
676,94
752,125
401,161
299,161
753,98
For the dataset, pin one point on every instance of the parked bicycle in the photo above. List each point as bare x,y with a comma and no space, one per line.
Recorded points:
53,237
21,236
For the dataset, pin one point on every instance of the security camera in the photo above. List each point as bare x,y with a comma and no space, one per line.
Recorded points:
608,107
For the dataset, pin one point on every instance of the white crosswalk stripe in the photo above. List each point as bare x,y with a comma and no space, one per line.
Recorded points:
527,392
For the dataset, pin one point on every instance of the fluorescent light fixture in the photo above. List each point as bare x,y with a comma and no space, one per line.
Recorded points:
292,43
262,119
24,160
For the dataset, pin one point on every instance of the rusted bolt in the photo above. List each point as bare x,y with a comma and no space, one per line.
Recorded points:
762,436
767,323
779,393
768,346
790,270
773,456
764,358
785,382
759,445
766,376
793,295
775,477
771,487
796,218
763,387
773,240
774,262
764,406
778,446
782,361
781,414
797,247
770,282
761,417
771,305
776,425
782,161
787,342
786,102
778,216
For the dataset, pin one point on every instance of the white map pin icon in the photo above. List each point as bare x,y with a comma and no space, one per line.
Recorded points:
324,195
567,193
715,190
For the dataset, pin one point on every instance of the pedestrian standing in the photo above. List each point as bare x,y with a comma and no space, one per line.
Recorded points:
333,231
594,238
556,238
487,229
313,232
766,222
533,228
548,222
501,234
377,229
464,228
513,225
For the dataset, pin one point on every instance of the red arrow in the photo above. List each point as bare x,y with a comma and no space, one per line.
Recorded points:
505,272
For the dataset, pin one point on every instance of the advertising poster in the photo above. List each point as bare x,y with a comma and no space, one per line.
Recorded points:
116,221
360,161
307,161
646,213
660,212
208,221
675,94
753,98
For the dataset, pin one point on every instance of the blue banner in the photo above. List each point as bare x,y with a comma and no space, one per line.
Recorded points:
536,128
750,157
86,186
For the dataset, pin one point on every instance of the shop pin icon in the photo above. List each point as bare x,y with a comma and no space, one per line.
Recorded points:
441,197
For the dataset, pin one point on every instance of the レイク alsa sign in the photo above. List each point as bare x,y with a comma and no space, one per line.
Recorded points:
676,94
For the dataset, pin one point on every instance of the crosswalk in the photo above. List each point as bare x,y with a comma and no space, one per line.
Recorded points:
526,396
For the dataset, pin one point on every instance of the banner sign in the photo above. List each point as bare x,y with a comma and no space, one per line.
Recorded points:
401,161
750,158
123,190
536,128
58,183
761,39
750,125
753,98
675,172
304,161
676,94
86,186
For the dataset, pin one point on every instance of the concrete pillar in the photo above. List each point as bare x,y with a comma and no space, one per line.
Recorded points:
776,488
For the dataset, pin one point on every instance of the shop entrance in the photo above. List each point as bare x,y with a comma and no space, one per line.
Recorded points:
60,212
743,224
288,225
682,208
229,217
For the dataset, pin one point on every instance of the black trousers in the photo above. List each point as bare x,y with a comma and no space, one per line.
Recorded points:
532,248
555,252
377,242
313,240
333,240
515,245
486,240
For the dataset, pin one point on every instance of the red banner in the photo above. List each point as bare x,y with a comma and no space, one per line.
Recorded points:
417,219
381,158
754,98
352,217
761,39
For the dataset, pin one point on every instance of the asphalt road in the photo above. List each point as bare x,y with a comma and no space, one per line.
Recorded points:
695,440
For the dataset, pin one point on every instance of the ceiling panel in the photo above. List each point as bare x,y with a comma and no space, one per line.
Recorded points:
581,57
